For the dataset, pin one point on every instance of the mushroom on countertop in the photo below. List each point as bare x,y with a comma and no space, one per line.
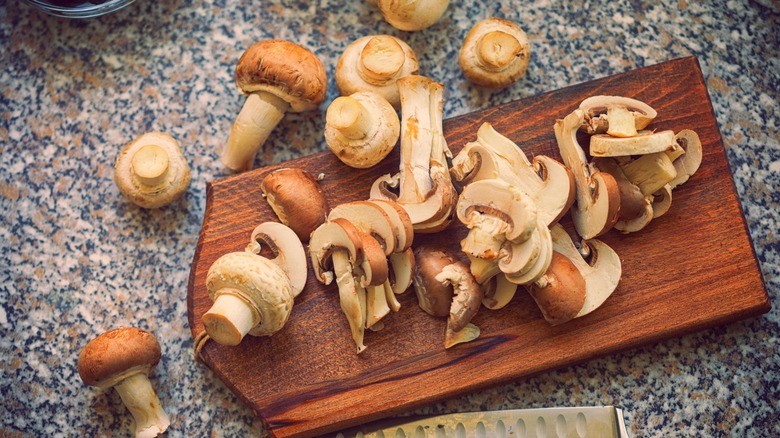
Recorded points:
122,358
412,15
285,190
361,129
279,76
495,53
374,63
151,171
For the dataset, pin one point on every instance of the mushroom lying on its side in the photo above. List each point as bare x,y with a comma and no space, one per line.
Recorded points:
122,358
278,76
297,199
151,171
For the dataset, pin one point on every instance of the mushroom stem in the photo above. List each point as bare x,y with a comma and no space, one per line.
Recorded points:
150,164
230,318
259,116
381,60
349,117
353,304
496,50
140,399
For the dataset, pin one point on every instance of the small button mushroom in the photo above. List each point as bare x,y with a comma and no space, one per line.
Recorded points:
374,63
445,287
122,358
251,293
297,199
361,129
278,76
495,53
412,15
151,171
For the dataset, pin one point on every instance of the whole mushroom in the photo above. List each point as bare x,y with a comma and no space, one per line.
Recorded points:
151,171
412,15
495,53
278,76
284,189
122,358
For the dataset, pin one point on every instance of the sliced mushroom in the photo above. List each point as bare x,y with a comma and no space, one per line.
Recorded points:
596,110
374,63
151,171
537,265
278,76
645,142
361,129
636,209
402,223
297,199
369,218
650,172
495,53
498,198
287,250
662,201
251,295
412,15
689,163
598,196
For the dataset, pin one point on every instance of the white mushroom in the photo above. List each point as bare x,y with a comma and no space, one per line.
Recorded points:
687,164
374,63
598,197
412,15
278,76
361,129
151,171
495,53
596,111
643,142
122,358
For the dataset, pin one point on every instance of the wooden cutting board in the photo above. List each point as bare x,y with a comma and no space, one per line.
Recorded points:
691,269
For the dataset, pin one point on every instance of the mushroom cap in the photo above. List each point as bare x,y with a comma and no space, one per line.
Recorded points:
510,66
174,183
433,296
285,70
564,295
297,199
117,354
259,281
355,68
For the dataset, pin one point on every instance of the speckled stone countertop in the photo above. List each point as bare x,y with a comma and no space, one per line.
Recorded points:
77,259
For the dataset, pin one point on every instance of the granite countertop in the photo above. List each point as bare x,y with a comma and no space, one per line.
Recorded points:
77,259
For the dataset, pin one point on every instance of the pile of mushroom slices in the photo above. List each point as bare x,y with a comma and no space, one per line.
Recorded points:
633,170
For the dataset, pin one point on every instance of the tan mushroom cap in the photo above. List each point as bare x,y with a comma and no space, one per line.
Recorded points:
116,354
285,70
495,53
297,199
433,296
151,171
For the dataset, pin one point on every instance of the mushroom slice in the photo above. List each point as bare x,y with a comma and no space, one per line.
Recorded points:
598,196
377,306
284,189
251,295
361,129
688,163
412,15
466,302
368,218
662,201
483,270
400,220
519,257
371,277
485,237
645,142
636,210
601,274
596,110
650,172
495,53
534,271
402,264
339,241
498,198
498,292
374,63
288,251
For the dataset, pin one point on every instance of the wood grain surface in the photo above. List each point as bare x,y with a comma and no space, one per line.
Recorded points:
691,269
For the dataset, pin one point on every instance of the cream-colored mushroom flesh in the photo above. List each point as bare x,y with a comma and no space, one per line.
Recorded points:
251,294
644,142
369,218
278,76
287,249
374,63
598,197
495,53
687,164
361,129
596,109
151,171
122,358
412,15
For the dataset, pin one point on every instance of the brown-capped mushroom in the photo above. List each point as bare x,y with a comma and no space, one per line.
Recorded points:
598,197
374,63
445,287
297,199
361,129
151,171
412,15
495,53
122,358
278,76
